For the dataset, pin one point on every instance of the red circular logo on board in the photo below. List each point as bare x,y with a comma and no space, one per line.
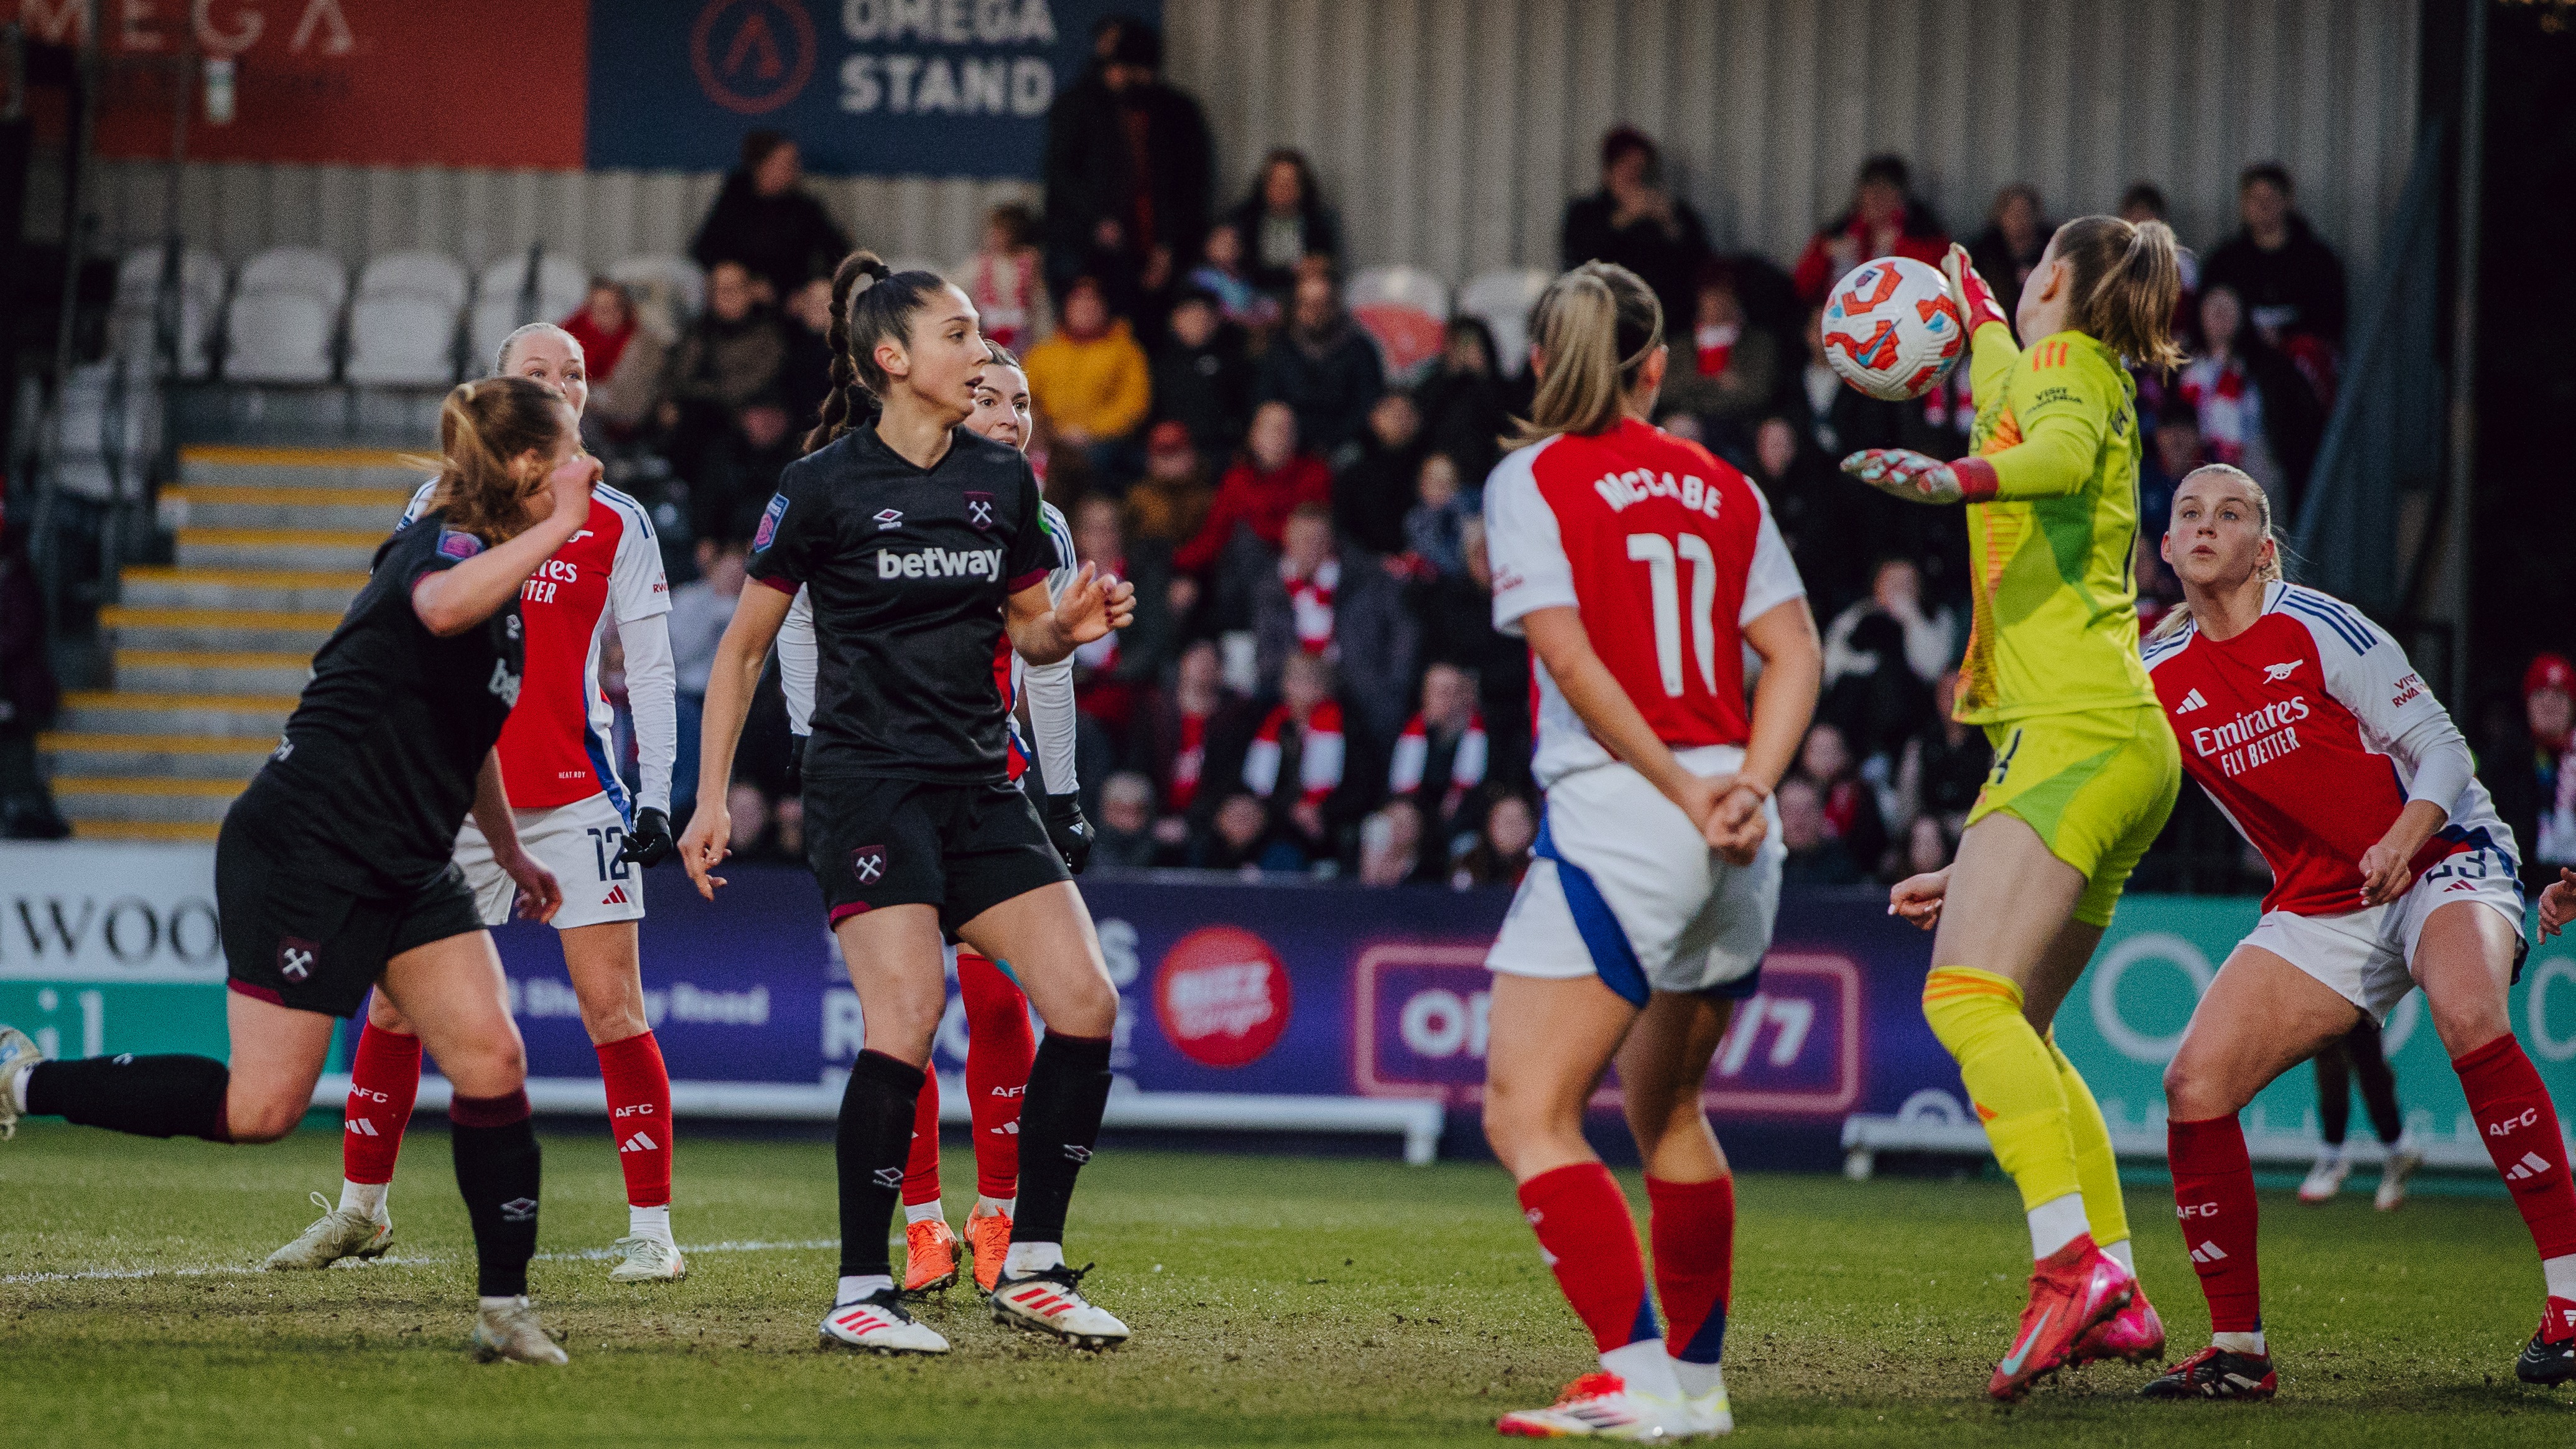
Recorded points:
1222,997
752,56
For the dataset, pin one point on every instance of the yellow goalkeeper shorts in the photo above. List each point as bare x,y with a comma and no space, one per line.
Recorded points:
2097,785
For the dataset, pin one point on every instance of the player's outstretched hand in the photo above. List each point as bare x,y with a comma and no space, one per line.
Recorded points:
1969,292
1737,825
1917,898
1904,473
1093,604
540,894
649,843
2558,903
703,847
2386,872
570,484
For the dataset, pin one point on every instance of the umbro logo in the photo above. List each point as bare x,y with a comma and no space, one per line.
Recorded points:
889,1178
1076,1153
519,1210
868,863
889,518
2190,702
638,1143
295,958
2275,673
616,897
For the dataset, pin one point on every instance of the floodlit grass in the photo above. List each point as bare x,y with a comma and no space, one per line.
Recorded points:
1274,1300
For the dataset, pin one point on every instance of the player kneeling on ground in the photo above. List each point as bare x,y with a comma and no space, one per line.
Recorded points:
332,873
1639,567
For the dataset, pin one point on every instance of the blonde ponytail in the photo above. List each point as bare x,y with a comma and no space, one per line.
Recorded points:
2127,281
1595,326
2178,618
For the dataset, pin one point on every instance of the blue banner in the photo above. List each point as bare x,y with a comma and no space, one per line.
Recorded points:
865,87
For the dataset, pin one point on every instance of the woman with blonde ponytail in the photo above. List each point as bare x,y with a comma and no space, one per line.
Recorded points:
2085,769
2390,870
332,873
1640,568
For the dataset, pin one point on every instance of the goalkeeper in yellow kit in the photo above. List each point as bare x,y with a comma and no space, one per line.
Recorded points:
2085,767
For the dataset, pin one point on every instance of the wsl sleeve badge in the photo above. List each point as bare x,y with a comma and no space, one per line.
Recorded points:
769,518
456,545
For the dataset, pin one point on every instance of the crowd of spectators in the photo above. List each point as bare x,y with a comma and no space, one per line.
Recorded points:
1313,684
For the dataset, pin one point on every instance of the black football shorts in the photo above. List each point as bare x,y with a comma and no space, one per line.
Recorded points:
875,842
296,938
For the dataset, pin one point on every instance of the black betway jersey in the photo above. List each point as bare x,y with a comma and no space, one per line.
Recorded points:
378,765
907,571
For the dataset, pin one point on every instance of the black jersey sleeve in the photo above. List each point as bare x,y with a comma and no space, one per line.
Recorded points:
783,547
1033,556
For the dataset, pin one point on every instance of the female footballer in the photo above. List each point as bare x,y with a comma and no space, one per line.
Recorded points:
333,872
1639,568
921,545
2085,770
575,815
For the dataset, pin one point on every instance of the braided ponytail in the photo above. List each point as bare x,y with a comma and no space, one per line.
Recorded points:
865,313
838,404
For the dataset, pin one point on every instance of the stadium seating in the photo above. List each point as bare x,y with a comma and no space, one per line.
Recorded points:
504,300
1406,309
668,290
1502,301
402,328
132,336
285,316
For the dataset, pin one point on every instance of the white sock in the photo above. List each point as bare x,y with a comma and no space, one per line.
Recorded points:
2560,1274
995,1207
1698,1379
2056,1223
649,1222
1646,1367
496,1305
1032,1258
2241,1343
366,1199
855,1286
2122,1253
922,1212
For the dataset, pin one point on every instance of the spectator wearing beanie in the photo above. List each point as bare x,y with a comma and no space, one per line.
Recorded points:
1130,170
765,219
1091,379
1169,505
1373,492
2533,778
1466,406
1325,367
1202,377
1885,219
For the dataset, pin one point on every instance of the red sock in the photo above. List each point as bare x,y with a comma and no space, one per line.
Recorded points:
1693,1227
2520,1129
639,1112
921,1169
1586,1235
999,1049
384,1078
2214,1194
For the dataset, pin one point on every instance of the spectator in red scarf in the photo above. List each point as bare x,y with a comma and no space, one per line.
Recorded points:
1296,758
1113,673
1730,370
1006,280
1343,606
1439,761
1251,510
1196,733
1885,220
2255,410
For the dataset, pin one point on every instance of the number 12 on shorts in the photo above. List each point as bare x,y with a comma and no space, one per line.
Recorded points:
1661,556
605,842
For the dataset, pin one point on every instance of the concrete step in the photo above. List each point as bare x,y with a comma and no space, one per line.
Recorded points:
369,468
184,671
273,590
242,716
205,830
143,799
278,548
337,509
191,757
219,629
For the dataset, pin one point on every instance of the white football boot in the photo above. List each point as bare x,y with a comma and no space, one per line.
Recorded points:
649,1259
512,1333
1709,1411
878,1324
18,1051
2326,1178
1050,1301
334,1235
2403,1158
1600,1405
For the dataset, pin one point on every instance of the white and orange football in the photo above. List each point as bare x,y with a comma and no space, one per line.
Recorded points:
1891,329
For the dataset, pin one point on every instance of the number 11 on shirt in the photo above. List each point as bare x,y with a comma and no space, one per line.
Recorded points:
1658,553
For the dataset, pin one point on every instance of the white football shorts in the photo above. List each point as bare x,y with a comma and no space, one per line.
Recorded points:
579,843
2363,954
1624,887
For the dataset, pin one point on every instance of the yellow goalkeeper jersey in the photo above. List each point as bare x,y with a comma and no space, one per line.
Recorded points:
2053,555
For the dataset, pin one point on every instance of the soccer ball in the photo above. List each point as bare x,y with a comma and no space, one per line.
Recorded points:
1891,329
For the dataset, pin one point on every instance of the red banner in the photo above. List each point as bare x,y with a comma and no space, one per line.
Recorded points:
499,83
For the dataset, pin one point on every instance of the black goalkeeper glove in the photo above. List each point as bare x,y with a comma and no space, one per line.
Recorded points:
649,843
796,764
1067,831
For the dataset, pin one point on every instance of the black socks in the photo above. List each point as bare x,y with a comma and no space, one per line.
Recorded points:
875,1137
1059,1123
497,1170
159,1096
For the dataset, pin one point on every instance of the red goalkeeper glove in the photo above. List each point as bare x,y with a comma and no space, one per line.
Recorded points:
1976,300
1902,473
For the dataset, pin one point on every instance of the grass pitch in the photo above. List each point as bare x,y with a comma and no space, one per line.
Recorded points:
1275,1301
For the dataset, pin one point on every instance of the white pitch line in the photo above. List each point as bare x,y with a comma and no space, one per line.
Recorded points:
230,1269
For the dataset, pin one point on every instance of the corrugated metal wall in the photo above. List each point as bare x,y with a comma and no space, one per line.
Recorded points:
1450,132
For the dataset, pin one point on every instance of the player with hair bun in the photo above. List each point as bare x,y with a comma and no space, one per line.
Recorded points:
1640,568
922,545
2085,770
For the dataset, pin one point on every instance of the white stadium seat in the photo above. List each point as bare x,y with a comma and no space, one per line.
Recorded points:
1407,310
402,328
501,303
1502,301
138,291
285,316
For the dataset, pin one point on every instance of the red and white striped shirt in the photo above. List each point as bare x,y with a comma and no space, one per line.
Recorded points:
1319,759
1413,756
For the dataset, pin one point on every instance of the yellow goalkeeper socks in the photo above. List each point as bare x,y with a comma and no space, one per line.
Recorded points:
2014,1082
2097,1168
